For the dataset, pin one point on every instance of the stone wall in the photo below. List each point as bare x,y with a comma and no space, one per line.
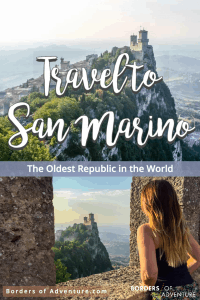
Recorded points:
137,47
26,232
187,189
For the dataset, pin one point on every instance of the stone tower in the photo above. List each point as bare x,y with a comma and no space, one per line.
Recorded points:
143,40
64,64
89,222
133,40
188,192
141,44
91,217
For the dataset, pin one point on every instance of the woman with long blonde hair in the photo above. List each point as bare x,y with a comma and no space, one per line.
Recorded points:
168,252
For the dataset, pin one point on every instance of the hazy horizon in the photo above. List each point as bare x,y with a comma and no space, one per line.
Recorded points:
19,65
96,45
108,198
167,21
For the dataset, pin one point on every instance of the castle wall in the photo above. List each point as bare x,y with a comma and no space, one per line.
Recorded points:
87,223
137,47
143,44
65,65
188,191
26,232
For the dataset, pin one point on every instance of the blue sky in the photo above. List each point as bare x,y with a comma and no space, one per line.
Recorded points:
92,183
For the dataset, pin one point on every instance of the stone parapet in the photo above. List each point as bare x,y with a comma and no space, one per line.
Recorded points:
117,282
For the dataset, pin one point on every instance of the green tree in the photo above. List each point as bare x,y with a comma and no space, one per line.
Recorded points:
67,109
61,272
34,151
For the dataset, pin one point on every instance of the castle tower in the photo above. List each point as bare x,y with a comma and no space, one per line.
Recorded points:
91,217
139,45
89,222
64,64
133,40
143,40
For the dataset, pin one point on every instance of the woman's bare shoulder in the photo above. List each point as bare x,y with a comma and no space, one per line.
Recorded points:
145,233
144,228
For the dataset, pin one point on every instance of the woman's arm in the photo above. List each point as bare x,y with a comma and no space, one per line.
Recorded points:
194,261
147,254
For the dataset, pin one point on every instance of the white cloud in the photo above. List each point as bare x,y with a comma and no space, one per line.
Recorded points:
64,194
109,206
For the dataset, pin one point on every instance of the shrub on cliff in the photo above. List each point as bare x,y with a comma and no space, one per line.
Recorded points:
75,256
34,151
61,272
85,254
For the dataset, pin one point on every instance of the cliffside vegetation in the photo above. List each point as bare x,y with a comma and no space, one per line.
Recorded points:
34,151
84,254
61,272
157,102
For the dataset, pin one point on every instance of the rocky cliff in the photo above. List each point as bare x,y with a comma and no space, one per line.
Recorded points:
81,251
156,102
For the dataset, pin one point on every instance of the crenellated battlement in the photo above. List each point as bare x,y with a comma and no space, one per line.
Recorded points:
141,43
89,221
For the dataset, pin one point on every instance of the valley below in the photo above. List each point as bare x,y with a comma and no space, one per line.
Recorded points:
118,248
182,75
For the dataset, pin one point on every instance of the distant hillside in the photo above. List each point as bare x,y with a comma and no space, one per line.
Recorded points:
178,63
19,65
157,102
114,237
115,228
117,246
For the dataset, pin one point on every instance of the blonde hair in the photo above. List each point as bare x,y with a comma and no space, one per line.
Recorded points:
159,201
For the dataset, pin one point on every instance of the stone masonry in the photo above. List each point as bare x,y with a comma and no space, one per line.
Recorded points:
26,232
188,191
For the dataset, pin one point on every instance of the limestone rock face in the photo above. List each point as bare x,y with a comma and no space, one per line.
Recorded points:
26,232
99,253
156,101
